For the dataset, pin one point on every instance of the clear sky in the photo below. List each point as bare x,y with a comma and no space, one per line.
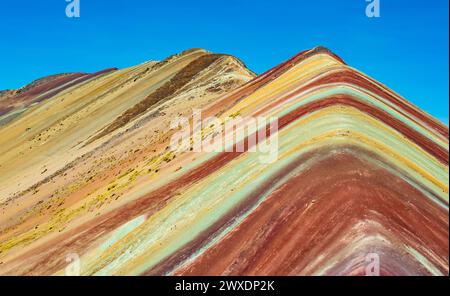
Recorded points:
406,48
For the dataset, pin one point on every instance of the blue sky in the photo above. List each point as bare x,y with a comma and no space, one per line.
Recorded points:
406,48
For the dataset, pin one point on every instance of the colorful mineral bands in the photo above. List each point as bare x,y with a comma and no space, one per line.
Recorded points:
87,173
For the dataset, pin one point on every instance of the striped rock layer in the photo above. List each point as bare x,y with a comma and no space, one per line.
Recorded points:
361,173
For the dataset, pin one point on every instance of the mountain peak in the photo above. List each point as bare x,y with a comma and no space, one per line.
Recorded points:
88,168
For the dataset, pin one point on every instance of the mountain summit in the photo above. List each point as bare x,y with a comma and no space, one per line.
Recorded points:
86,168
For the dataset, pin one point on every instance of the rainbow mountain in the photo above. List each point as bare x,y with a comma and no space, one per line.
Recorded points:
86,172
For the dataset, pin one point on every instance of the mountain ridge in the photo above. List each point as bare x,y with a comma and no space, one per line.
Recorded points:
360,171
